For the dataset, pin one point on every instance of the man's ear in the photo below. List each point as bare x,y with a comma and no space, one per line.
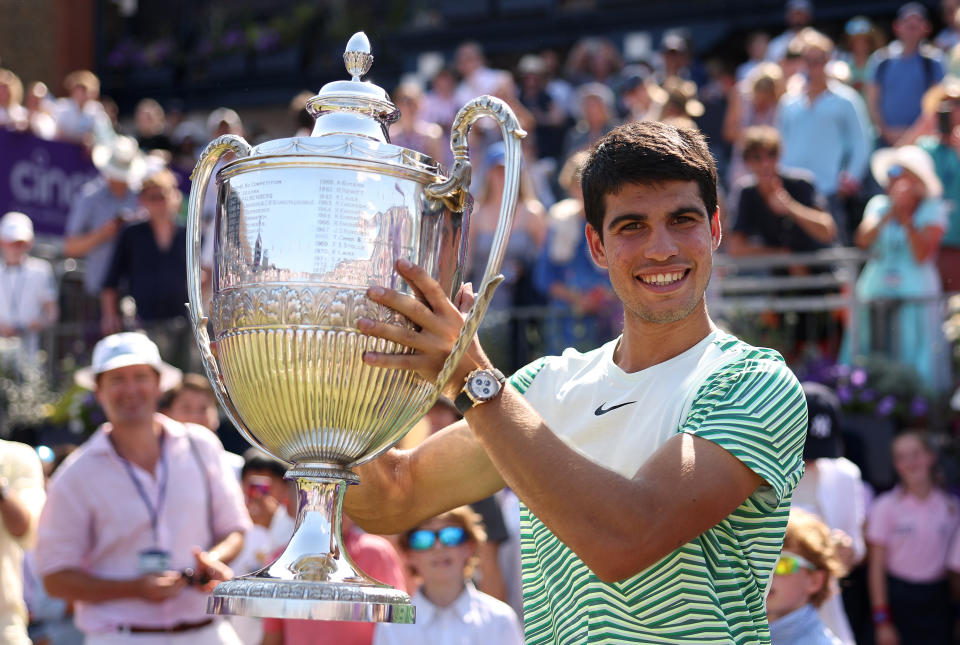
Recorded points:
715,231
595,243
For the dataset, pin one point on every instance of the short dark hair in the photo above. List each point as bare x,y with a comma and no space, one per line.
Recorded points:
646,152
257,460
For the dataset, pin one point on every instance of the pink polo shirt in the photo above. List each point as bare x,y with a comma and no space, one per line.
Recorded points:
916,532
96,521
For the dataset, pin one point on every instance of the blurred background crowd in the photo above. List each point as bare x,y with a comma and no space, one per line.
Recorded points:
836,132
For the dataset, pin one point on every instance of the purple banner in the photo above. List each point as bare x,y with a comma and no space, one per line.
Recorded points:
41,178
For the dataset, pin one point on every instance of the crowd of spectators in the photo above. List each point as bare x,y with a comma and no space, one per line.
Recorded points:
820,142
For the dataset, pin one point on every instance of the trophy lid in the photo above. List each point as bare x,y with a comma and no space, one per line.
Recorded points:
354,106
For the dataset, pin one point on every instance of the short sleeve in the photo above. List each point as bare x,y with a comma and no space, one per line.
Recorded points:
229,511
64,531
953,557
876,208
755,409
79,216
523,378
931,212
27,482
880,520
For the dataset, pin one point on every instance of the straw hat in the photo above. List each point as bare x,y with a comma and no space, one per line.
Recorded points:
911,158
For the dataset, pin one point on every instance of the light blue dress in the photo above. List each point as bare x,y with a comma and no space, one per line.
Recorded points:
892,272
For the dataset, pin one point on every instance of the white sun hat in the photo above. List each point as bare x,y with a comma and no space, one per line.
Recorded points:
122,350
120,160
911,158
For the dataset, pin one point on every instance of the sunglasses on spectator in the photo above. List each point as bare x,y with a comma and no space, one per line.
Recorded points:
791,563
423,539
153,196
758,155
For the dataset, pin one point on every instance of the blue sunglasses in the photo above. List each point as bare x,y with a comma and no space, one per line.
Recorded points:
422,539
895,171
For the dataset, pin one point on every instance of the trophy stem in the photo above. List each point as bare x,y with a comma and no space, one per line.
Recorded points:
314,577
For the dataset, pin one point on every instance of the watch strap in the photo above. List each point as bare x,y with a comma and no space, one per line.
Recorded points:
463,402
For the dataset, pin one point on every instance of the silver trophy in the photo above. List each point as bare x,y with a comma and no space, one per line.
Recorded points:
303,227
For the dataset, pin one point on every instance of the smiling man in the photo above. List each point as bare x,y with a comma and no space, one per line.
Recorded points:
654,472
143,500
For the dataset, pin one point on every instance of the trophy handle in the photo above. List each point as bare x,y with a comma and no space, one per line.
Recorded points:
200,178
453,192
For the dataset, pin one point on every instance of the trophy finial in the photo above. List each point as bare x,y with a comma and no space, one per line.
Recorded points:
357,56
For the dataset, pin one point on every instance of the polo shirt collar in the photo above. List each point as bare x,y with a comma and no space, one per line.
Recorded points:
427,611
99,442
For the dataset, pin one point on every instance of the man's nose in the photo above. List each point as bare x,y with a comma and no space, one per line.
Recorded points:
661,245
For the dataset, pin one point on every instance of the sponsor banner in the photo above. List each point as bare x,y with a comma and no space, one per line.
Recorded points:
41,178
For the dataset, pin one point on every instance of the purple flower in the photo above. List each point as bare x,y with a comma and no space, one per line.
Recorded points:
886,405
845,394
918,406
868,395
858,377
232,39
840,371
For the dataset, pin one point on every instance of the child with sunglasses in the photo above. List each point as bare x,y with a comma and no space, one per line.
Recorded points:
442,552
801,583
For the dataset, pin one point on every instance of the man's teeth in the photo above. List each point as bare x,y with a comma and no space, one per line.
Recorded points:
662,278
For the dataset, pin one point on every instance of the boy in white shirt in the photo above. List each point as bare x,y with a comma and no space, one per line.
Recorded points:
28,291
442,551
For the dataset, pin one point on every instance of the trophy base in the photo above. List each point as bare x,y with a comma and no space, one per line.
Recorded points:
314,578
253,596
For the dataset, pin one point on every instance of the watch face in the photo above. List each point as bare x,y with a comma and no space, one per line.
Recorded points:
483,386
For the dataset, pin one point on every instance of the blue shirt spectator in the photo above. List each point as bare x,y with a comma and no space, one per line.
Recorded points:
827,134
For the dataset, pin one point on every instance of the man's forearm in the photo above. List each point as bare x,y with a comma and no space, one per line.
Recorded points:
74,585
228,548
617,526
15,515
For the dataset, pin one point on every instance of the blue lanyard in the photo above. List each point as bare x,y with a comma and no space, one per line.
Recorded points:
153,511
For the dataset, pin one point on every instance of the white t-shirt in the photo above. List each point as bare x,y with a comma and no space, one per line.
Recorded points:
474,618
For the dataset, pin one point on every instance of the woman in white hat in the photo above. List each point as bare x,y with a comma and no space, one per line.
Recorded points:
903,228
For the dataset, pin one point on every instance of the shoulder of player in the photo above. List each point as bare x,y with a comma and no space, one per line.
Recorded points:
568,364
743,369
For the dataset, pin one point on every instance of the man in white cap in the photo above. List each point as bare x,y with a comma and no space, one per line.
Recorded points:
142,501
28,291
104,206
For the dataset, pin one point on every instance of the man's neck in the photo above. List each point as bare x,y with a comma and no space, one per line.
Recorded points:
645,344
138,443
816,87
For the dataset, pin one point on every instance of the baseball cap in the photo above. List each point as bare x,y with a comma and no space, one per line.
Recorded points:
16,227
824,437
800,5
858,26
912,9
123,350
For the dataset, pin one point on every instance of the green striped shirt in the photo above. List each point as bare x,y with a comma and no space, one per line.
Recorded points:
712,589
